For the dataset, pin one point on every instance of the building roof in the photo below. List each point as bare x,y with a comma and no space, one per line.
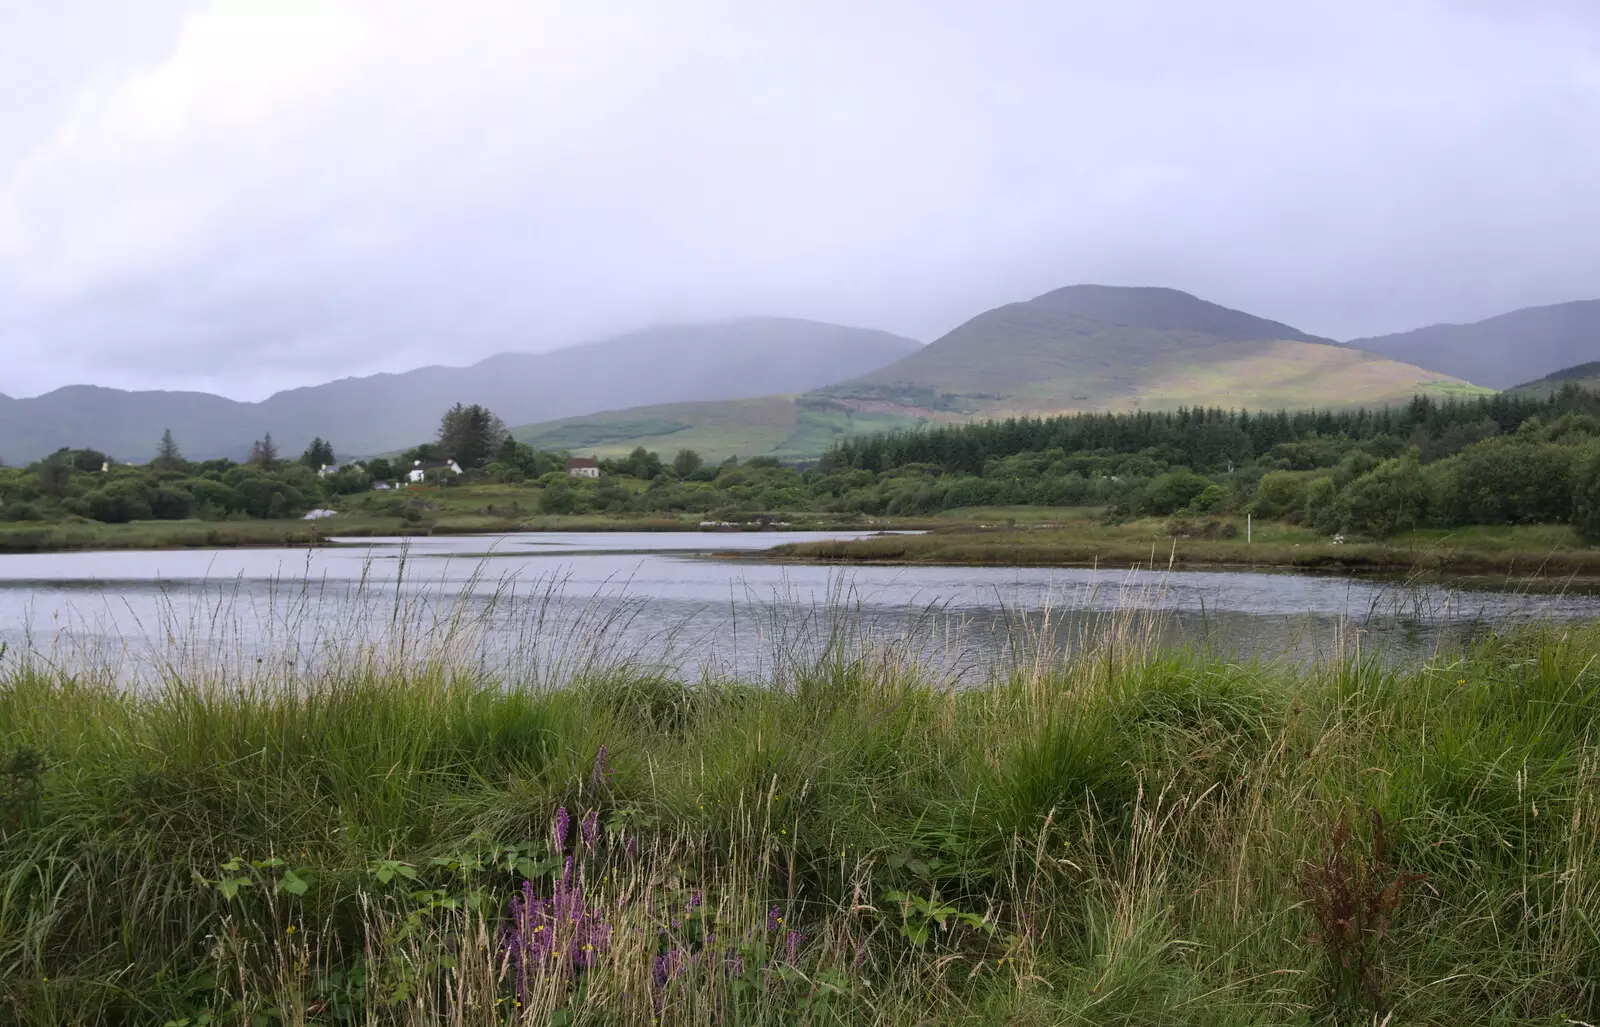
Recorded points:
582,461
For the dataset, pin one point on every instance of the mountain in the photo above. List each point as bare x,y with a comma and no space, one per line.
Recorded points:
1084,347
724,360
1090,347
1501,351
1584,376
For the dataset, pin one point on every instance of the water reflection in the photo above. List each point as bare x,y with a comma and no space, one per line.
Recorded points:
547,607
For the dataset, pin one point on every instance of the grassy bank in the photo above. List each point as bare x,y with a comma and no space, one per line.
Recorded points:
1078,539
1129,836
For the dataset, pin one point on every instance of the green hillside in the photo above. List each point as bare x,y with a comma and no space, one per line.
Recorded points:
1082,348
786,426
1104,348
1584,376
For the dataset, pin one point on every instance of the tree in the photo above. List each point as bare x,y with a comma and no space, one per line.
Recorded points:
318,455
380,468
264,452
470,435
167,456
1586,497
686,463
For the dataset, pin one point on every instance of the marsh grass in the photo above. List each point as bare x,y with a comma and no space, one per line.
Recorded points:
1078,540
1109,830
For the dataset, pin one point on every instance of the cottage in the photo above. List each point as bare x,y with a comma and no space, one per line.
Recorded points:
583,467
421,469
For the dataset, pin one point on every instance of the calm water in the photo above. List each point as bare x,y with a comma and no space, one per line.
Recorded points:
549,604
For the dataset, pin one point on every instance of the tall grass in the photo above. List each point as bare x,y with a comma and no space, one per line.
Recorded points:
1107,831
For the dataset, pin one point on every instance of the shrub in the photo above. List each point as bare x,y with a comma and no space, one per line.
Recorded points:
1168,493
120,502
1278,494
171,504
1391,498
1504,481
1214,498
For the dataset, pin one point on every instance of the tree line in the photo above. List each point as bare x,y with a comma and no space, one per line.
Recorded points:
1430,463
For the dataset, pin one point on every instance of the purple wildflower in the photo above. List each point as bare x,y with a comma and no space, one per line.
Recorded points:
792,942
667,966
590,828
598,775
544,933
630,848
774,919
561,828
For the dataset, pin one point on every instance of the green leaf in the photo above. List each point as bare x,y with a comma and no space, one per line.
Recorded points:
294,883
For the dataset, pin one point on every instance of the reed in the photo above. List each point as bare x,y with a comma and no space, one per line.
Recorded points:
1105,830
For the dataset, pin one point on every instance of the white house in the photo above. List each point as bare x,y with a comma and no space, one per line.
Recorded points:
583,467
420,468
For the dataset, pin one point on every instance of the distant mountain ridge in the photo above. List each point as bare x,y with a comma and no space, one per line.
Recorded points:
1080,348
1501,351
721,360
1585,376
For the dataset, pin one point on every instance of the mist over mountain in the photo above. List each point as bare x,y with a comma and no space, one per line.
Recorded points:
1079,348
1097,347
1502,351
722,360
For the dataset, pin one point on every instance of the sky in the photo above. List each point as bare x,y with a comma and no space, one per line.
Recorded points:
246,195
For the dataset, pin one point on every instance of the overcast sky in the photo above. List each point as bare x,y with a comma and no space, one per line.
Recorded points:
242,195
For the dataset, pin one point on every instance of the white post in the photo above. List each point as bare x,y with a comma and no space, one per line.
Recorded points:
1249,532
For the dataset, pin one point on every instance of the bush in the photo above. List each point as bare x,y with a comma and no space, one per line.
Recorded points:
1214,498
1391,498
1278,494
1168,493
1321,509
558,496
1504,481
171,504
19,512
120,502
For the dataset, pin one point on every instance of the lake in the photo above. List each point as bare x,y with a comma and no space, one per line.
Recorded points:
550,605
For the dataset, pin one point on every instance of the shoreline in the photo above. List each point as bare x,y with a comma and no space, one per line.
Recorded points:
297,534
950,550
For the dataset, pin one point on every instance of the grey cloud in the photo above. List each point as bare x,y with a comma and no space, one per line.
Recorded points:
295,192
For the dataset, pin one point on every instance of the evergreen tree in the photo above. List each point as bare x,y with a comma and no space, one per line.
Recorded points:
168,458
264,452
470,435
318,455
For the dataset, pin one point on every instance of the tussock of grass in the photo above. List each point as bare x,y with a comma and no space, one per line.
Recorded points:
1118,836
